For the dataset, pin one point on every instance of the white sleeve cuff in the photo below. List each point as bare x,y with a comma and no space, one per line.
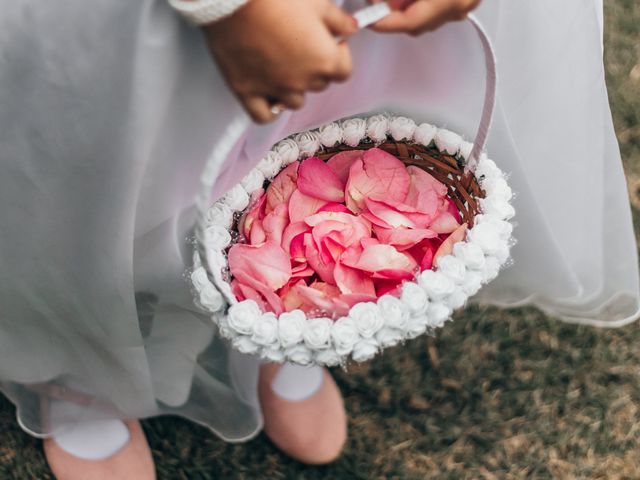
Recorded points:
202,12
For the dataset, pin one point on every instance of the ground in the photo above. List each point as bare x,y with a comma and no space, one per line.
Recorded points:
498,394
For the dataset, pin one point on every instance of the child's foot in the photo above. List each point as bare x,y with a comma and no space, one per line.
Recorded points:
303,412
100,450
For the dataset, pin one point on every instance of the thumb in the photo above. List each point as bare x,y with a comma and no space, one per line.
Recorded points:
339,22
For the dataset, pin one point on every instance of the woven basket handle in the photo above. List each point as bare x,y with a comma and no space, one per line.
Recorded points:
239,125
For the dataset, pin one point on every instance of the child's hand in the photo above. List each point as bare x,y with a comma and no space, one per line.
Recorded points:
273,51
418,16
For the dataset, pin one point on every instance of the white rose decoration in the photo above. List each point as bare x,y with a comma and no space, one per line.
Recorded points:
465,150
472,283
245,345
217,237
365,349
210,298
377,128
491,269
415,298
438,314
328,357
223,326
436,284
424,134
470,254
487,168
317,335
220,214
497,206
270,165
273,355
252,181
497,187
291,326
353,131
265,330
299,354
502,254
243,315
237,198
388,337
486,236
417,326
288,151
199,278
402,128
503,227
447,141
395,313
452,267
330,134
308,143
367,318
345,335
457,299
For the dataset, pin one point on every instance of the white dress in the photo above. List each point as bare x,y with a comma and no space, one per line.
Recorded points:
108,112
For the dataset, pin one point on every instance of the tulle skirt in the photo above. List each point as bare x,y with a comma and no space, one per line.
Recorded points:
109,115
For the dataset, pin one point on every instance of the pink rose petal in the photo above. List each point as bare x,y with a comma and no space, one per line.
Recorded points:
375,258
379,175
403,238
274,302
254,212
447,246
245,292
267,263
316,179
335,207
275,222
322,268
341,162
302,206
425,191
292,231
352,281
388,215
444,223
282,186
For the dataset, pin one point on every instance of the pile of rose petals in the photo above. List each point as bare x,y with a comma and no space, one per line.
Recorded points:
325,236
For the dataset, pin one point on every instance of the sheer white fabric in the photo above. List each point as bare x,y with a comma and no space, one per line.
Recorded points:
108,112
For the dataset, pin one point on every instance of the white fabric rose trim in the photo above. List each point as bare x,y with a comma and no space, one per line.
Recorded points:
210,298
220,214
317,334
436,284
491,269
394,312
417,325
415,298
497,187
438,314
402,128
199,278
470,254
291,327
365,349
330,134
377,128
270,165
243,315
265,330
345,335
353,131
288,151
465,150
299,354
388,337
367,318
237,198
447,141
452,267
424,134
487,168
328,357
217,237
472,282
252,181
497,206
308,143
245,345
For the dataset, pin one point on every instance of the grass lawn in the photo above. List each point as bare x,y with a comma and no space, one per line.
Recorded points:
498,394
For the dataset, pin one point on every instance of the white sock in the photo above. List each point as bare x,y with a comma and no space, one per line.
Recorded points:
94,439
296,383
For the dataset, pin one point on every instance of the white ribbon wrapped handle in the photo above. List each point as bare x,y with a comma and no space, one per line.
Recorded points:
239,125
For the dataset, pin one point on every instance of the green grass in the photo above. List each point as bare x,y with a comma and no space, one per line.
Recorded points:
498,394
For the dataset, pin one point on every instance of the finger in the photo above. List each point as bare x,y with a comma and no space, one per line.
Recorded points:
258,108
344,64
339,22
318,84
420,14
292,100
